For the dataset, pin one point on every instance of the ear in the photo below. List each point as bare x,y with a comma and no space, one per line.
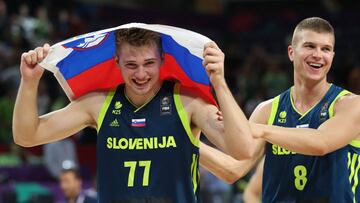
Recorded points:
162,58
116,58
291,53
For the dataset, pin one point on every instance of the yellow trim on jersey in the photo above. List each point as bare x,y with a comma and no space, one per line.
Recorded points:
183,115
331,108
356,178
355,143
354,167
194,170
104,108
138,108
294,107
274,108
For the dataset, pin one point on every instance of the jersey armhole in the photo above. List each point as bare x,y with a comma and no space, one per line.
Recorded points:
104,108
274,107
331,107
183,116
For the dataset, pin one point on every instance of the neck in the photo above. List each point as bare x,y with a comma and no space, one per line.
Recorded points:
139,100
306,94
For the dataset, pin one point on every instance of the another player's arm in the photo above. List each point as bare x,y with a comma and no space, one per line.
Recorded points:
226,167
28,128
333,134
235,129
252,193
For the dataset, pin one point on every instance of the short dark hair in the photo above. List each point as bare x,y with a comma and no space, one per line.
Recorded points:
137,37
315,24
74,171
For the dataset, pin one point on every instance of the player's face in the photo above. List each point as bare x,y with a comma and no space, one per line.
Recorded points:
312,54
140,67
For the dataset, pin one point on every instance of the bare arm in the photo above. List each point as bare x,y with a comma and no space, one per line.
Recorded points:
29,128
252,193
226,167
333,134
236,129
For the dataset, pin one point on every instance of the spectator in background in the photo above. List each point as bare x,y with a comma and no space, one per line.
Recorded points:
71,185
60,155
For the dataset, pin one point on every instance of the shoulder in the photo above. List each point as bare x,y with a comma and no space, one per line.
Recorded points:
192,101
349,102
90,103
262,112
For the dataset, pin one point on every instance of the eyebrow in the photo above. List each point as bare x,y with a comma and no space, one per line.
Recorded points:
327,46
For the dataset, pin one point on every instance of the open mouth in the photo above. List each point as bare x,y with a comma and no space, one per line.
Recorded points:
140,83
315,65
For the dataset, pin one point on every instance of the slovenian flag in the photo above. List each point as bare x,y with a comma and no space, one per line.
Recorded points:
138,122
86,63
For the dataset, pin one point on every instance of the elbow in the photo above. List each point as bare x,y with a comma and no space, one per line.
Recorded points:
247,152
321,149
21,141
231,178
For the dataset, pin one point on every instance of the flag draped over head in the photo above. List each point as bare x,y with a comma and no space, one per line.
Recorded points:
85,63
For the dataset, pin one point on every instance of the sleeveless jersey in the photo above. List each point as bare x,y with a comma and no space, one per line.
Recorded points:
354,166
292,177
146,154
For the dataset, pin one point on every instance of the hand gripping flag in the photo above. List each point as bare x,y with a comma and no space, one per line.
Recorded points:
85,63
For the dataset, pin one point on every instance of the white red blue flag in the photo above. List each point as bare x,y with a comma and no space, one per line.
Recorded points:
86,63
139,122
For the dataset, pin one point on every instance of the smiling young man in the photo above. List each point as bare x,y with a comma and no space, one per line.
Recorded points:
302,164
148,129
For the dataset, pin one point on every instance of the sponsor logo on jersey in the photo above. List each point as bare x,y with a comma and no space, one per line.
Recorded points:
114,123
324,112
282,117
117,108
165,106
303,126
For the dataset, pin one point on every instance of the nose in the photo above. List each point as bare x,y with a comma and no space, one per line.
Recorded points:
317,53
140,73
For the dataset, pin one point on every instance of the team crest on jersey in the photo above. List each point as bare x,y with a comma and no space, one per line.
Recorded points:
165,105
282,117
91,42
324,112
117,108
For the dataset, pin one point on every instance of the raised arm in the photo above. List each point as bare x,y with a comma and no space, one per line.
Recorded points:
236,130
29,128
333,134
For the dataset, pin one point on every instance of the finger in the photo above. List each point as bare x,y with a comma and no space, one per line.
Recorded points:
213,52
46,49
40,53
211,67
211,59
26,57
220,118
211,44
33,57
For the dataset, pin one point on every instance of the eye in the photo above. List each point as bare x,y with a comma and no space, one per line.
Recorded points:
131,65
149,63
309,46
326,49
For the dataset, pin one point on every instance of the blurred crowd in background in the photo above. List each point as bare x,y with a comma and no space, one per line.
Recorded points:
253,34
